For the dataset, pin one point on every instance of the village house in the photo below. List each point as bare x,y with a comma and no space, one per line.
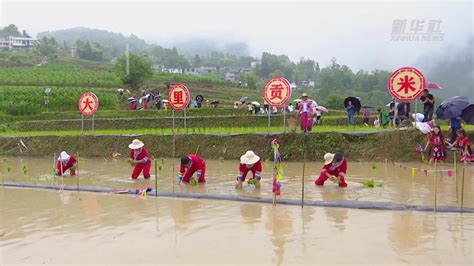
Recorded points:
17,43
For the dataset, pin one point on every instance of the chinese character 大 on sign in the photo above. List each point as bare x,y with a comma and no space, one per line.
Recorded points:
277,91
179,97
88,104
406,84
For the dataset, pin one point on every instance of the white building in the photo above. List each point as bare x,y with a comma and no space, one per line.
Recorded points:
231,76
17,43
308,83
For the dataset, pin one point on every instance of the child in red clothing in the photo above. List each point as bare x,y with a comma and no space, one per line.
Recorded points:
140,159
335,168
249,162
464,144
191,164
436,140
68,162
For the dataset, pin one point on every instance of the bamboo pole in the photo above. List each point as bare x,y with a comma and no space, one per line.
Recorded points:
77,172
456,177
54,169
269,111
304,166
462,187
174,150
62,172
156,179
435,183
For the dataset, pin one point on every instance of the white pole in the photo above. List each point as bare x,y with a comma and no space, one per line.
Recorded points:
127,66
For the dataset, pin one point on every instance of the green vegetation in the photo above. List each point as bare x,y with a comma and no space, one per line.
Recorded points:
200,130
31,100
57,76
140,70
371,183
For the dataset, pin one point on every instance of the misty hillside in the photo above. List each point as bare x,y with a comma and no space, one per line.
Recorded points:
204,47
114,41
453,70
117,41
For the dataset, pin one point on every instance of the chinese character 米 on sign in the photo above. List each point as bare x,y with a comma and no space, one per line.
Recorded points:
277,91
406,84
179,97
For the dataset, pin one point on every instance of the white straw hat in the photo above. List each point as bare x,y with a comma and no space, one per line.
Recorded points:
136,144
64,156
249,158
328,157
304,95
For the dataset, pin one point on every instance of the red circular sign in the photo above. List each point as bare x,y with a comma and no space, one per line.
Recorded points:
88,104
406,84
179,97
277,91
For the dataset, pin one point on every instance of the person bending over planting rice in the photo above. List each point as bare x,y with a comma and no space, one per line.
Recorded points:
249,162
334,169
191,164
463,143
140,159
68,162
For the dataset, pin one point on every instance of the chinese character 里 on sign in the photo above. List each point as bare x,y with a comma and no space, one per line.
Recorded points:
179,97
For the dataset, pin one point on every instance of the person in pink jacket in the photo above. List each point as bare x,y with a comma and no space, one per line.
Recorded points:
306,113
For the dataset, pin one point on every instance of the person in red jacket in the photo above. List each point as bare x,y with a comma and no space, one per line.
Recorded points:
191,164
464,144
249,162
335,168
68,162
140,158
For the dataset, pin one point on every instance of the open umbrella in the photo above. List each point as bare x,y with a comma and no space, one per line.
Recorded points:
433,86
322,109
199,98
244,99
452,107
255,103
468,114
354,102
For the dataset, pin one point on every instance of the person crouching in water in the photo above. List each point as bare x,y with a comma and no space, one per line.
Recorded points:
249,162
335,168
463,143
191,164
65,162
140,158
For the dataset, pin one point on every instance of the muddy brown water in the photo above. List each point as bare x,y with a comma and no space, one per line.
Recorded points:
45,227
54,227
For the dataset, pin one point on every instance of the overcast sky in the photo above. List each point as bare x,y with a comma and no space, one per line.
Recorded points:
356,33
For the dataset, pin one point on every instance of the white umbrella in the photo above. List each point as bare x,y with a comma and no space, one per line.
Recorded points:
418,117
255,103
322,109
165,101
